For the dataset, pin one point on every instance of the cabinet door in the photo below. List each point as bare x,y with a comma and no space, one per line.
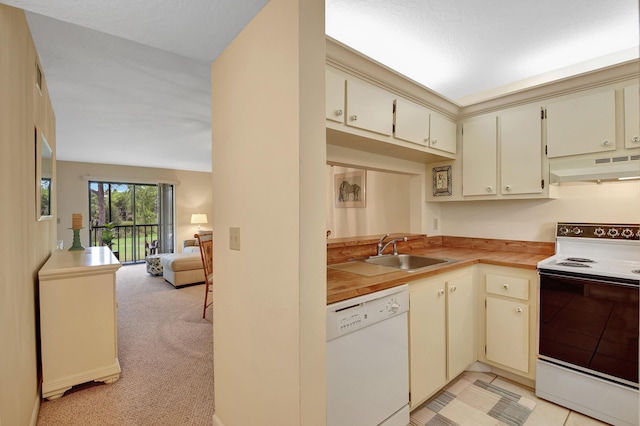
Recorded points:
442,133
521,151
508,333
582,125
369,107
479,156
412,122
334,102
632,116
427,337
460,324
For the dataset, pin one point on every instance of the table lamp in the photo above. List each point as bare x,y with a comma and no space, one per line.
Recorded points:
198,218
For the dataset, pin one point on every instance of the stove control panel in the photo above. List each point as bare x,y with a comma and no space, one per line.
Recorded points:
603,231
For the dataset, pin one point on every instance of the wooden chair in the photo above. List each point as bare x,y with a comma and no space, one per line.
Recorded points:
205,241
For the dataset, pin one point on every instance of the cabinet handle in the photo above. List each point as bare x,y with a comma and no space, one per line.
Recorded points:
506,286
454,288
489,188
440,292
508,188
426,140
354,118
519,310
339,113
435,141
606,142
635,139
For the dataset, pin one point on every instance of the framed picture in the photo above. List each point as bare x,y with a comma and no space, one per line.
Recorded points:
349,189
441,181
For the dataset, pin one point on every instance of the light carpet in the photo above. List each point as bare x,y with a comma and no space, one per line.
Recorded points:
473,401
165,350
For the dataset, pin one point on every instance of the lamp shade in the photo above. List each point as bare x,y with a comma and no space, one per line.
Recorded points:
198,218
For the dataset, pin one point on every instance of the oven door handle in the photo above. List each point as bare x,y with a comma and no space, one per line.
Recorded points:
600,280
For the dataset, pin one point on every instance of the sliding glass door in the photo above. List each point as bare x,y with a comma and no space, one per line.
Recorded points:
128,217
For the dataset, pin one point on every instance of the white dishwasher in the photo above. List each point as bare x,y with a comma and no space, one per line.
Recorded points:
368,360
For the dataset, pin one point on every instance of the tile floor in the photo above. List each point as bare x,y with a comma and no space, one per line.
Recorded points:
547,413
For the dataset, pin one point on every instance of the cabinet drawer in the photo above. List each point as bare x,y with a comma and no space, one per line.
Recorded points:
508,286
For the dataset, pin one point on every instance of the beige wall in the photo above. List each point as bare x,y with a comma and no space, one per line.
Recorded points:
534,220
193,194
26,242
269,180
386,209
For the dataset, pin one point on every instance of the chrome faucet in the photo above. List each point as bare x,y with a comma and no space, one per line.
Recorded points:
382,247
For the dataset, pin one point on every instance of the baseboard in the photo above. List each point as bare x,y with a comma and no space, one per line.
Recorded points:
36,407
217,421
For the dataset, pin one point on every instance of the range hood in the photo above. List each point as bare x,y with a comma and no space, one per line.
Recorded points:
596,170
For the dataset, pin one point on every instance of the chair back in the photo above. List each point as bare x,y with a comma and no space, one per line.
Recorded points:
205,241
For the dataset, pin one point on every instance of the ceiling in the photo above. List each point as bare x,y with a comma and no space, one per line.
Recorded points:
130,81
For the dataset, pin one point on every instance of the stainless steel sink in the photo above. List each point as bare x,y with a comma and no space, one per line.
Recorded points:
406,262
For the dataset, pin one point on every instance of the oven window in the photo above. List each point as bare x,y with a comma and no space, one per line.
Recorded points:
590,324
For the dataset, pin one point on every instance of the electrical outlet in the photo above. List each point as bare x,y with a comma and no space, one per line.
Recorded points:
234,238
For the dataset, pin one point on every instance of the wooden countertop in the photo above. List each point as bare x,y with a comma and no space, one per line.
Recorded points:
343,285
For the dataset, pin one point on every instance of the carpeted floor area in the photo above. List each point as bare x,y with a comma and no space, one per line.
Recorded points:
165,350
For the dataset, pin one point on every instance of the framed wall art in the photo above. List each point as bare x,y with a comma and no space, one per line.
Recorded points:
349,189
441,181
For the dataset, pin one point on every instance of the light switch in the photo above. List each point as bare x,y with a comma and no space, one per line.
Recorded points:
234,238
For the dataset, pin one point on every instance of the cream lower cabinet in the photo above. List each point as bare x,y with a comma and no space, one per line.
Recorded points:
441,331
78,319
509,322
460,324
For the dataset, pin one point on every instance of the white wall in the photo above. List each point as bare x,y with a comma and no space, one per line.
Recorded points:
534,220
192,194
387,207
268,151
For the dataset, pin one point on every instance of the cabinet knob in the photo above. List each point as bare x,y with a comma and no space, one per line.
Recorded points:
354,118
453,288
440,292
489,188
435,141
506,286
508,188
519,310
339,112
426,140
606,142
635,139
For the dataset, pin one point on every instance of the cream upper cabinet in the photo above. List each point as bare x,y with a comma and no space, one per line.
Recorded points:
508,326
369,107
521,151
334,102
632,116
428,339
442,133
581,125
417,124
412,122
479,156
460,324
